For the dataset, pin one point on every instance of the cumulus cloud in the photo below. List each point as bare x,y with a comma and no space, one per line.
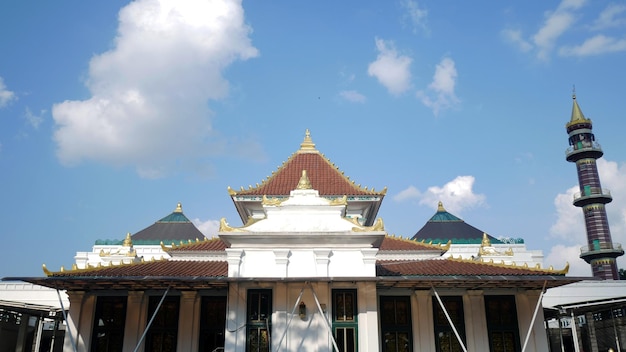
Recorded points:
440,94
34,119
352,96
391,69
6,96
514,36
555,24
208,228
418,17
596,45
569,227
456,195
611,16
560,255
149,93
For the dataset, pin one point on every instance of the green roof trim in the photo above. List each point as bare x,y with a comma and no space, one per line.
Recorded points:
175,217
137,242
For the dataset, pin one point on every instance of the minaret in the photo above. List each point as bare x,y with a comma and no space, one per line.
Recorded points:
599,252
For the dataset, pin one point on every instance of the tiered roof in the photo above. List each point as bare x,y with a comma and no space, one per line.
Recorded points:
173,227
325,177
444,226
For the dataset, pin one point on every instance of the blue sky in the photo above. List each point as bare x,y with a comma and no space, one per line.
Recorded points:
112,112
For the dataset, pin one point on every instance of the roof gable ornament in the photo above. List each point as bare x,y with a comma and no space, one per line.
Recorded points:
307,146
304,182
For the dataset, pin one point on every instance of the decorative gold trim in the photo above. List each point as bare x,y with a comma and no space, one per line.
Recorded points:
96,267
128,241
340,201
378,226
271,201
304,182
307,146
513,265
179,208
224,227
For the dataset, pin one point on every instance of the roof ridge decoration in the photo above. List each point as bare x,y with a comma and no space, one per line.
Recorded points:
179,208
183,244
306,147
502,264
513,265
90,267
487,249
439,246
379,225
304,182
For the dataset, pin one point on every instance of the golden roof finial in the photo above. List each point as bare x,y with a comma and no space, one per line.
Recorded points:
577,114
486,242
440,208
179,208
128,242
304,182
307,144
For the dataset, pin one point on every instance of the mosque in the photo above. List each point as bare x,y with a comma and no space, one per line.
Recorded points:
310,268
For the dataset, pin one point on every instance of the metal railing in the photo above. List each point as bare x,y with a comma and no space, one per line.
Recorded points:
593,191
601,246
585,147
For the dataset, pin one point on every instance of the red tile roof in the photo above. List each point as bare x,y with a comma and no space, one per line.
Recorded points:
326,178
214,244
455,267
403,244
161,268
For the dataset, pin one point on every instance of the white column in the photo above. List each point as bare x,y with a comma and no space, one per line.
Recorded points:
136,310
235,334
369,261
477,338
79,321
423,327
233,257
368,316
188,321
281,257
526,303
322,260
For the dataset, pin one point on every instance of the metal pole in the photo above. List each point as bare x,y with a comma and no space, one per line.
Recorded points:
532,321
152,319
295,306
574,333
456,333
69,330
330,329
615,332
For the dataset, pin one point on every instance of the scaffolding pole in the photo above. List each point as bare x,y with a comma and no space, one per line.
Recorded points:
532,321
456,333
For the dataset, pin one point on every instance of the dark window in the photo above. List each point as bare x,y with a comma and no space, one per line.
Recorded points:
163,333
259,320
345,319
395,318
109,321
212,323
445,337
502,327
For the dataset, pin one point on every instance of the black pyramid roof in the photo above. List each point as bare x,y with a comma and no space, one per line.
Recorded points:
444,226
175,227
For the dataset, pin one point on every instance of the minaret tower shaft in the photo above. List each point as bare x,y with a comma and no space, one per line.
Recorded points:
600,252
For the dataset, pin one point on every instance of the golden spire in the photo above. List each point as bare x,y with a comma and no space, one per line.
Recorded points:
304,182
307,145
128,242
179,208
577,114
485,241
440,208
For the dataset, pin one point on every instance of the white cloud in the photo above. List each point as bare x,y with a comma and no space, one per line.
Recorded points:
610,17
416,15
352,96
33,119
6,96
440,95
556,23
456,195
208,228
560,255
569,227
148,106
596,45
514,36
391,69
408,193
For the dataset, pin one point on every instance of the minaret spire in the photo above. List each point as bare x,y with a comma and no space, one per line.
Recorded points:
600,252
